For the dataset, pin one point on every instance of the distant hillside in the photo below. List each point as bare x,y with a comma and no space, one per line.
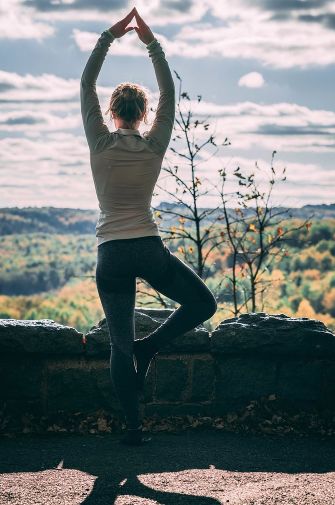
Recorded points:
14,220
47,220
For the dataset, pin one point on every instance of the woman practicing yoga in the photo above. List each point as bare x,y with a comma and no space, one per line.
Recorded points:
125,167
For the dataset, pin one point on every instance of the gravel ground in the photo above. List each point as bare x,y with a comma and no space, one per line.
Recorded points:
190,468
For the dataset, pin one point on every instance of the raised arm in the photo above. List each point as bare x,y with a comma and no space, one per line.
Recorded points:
94,126
163,123
95,129
161,129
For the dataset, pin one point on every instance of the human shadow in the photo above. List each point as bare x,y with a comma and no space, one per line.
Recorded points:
118,469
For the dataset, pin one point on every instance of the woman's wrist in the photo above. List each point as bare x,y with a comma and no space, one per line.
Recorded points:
110,33
151,43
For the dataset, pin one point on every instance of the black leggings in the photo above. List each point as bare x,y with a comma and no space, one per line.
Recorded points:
119,262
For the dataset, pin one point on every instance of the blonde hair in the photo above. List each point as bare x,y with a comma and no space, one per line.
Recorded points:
129,102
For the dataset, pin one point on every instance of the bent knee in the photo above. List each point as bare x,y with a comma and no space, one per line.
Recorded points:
212,306
208,306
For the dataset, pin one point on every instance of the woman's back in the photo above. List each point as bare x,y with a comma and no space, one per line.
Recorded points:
126,165
125,174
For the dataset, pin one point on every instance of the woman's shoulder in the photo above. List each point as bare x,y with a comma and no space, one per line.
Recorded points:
143,145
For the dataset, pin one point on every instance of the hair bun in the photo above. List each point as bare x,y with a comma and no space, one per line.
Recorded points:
129,102
128,94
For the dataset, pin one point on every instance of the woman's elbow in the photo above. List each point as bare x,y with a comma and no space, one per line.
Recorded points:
83,81
172,88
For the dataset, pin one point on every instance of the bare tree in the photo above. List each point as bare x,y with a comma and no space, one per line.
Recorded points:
195,229
255,234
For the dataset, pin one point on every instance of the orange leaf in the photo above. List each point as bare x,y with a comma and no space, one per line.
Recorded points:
252,227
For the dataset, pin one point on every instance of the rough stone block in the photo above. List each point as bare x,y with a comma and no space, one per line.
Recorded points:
244,378
300,381
22,382
100,373
203,376
43,336
97,341
193,341
172,379
273,335
74,386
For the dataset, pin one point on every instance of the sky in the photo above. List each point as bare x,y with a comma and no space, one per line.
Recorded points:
265,71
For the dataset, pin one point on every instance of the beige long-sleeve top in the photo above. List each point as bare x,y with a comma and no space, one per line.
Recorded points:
125,165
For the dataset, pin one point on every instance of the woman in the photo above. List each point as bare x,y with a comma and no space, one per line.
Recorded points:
125,167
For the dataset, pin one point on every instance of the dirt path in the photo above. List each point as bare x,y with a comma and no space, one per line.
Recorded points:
192,468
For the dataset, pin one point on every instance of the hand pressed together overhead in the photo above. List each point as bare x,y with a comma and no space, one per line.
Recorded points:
142,29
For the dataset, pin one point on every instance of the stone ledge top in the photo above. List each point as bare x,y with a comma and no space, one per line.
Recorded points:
253,333
273,334
40,336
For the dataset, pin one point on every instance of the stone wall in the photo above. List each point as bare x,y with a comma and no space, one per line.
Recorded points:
46,367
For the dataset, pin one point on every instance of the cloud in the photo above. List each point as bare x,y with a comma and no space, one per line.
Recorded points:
33,103
315,183
155,13
44,87
292,5
277,33
133,47
252,80
30,121
328,20
305,182
285,127
241,31
178,5
46,147
54,170
19,22
46,102
45,111
50,6
87,40
273,129
62,174
278,45
273,32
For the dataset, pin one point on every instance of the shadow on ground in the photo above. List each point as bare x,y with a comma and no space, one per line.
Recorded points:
110,470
